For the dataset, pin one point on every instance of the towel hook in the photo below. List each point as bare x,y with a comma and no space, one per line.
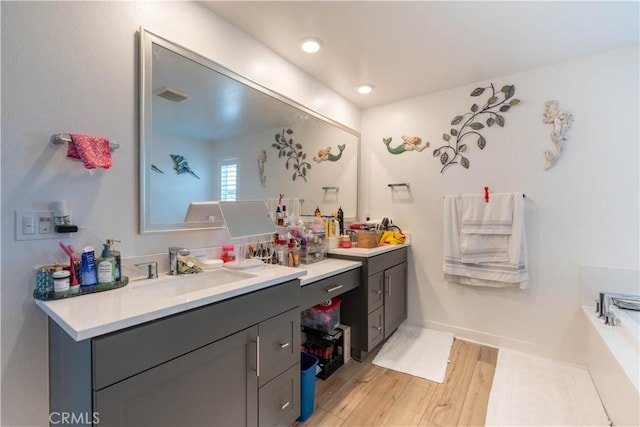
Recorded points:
62,138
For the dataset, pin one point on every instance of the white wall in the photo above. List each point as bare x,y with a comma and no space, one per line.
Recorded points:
72,66
582,211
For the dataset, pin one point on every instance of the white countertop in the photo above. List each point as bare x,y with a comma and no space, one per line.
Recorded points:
91,315
366,253
326,268
141,301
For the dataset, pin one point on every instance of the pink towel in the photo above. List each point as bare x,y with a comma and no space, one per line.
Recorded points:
92,150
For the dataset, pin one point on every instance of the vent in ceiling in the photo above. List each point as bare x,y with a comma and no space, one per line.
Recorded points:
171,94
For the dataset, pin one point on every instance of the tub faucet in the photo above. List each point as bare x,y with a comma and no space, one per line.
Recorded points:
174,251
624,301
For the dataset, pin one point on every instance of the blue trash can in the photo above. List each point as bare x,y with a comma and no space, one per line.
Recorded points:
308,363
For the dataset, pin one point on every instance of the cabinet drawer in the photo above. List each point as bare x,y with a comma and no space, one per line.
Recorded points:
375,331
279,400
279,344
388,259
121,354
322,290
375,291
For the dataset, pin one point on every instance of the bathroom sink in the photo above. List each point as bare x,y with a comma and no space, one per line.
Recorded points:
193,283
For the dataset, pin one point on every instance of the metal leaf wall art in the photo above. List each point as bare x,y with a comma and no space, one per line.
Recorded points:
499,102
296,158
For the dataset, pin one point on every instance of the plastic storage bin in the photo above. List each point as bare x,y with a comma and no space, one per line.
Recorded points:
308,363
323,317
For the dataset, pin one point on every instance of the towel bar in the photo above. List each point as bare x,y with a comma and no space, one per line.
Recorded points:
62,138
523,196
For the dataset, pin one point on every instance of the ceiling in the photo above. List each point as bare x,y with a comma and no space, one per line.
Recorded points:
412,48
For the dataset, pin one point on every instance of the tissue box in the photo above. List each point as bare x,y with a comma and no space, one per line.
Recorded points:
323,317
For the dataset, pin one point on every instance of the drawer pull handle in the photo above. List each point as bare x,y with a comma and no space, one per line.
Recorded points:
377,328
335,288
285,345
284,406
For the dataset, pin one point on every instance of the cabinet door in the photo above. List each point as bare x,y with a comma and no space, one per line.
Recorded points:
215,385
375,289
279,400
279,344
395,298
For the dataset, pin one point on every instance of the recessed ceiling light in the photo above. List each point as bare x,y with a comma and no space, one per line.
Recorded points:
310,44
365,88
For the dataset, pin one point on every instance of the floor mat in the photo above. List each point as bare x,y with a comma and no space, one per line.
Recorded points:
417,351
533,391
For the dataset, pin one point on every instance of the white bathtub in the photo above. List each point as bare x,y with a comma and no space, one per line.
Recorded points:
613,352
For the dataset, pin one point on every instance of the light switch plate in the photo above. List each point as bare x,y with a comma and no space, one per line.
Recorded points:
35,225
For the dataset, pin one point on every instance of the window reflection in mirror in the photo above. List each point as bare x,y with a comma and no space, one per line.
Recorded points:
210,134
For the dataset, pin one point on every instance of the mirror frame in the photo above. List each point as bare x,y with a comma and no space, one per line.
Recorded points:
147,40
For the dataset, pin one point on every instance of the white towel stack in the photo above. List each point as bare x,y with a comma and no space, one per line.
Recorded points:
485,243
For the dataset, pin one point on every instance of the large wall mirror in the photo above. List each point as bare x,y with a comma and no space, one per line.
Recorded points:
209,134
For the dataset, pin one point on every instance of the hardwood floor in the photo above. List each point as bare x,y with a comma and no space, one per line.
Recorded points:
363,394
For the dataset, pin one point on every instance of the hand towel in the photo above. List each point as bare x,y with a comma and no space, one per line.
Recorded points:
510,273
486,227
493,217
92,150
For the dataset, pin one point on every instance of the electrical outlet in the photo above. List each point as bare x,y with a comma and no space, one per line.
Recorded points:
44,225
35,225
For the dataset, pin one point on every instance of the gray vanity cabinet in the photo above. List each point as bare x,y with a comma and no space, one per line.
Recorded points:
375,309
209,386
395,297
235,362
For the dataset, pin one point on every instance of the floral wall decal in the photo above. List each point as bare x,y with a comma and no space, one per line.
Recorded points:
499,102
296,158
410,143
325,154
561,121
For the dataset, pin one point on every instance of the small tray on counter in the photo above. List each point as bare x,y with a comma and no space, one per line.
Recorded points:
50,296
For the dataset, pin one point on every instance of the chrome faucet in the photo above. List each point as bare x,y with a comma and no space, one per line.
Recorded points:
174,251
623,301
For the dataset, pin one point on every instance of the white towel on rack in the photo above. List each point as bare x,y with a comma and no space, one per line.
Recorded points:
481,217
485,227
479,248
509,273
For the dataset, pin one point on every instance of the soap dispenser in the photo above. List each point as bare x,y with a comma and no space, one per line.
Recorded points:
109,251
